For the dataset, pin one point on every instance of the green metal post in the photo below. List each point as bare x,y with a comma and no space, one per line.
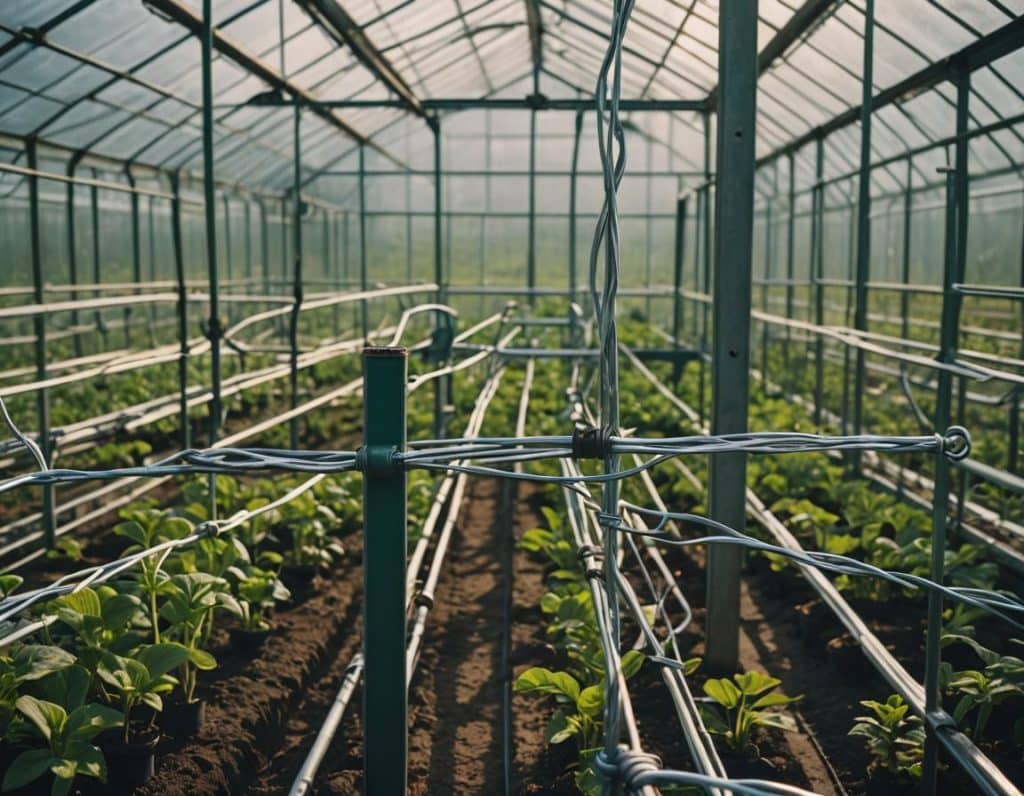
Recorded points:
151,225
531,241
863,272
76,339
706,283
734,222
573,189
249,284
1014,418
264,246
442,386
362,239
957,207
769,268
385,701
293,328
210,202
94,199
677,281
229,265
648,231
908,204
136,252
790,250
183,349
818,271
39,322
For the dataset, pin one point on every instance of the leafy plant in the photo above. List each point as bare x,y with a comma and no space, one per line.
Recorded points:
67,748
742,704
982,690
550,542
143,677
894,739
102,621
188,610
27,663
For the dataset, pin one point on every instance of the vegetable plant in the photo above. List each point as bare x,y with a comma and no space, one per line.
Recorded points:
141,678
741,705
63,737
894,739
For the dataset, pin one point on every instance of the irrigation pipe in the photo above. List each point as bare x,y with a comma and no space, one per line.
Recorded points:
985,773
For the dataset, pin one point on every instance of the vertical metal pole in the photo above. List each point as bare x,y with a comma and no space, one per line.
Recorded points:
385,702
677,281
442,386
210,201
94,199
734,222
577,132
136,252
76,339
249,281
769,269
39,323
229,266
183,350
957,205
790,250
706,282
818,271
531,244
908,204
362,239
1014,418
151,220
863,273
264,246
293,328
648,231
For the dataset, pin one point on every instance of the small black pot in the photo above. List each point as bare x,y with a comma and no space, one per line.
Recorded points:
298,579
246,640
182,719
129,765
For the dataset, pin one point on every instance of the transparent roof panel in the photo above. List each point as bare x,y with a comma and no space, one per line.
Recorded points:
122,79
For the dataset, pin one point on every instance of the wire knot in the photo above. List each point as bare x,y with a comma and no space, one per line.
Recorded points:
626,765
955,445
607,520
594,442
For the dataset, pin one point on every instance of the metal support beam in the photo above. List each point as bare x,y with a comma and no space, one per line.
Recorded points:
341,27
532,102
293,326
182,308
817,275
573,194
734,221
363,276
531,240
442,385
385,700
535,25
209,195
136,252
979,53
39,321
863,269
957,207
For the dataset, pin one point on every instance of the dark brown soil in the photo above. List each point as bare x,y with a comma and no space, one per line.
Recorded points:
251,699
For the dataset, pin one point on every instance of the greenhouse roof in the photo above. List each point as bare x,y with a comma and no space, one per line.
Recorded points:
122,79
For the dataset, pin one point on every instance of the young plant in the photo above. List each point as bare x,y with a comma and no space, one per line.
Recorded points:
66,735
741,705
141,678
550,542
894,739
578,715
103,622
188,609
980,691
25,664
257,591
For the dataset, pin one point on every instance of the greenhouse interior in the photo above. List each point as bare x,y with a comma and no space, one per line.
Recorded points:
512,397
